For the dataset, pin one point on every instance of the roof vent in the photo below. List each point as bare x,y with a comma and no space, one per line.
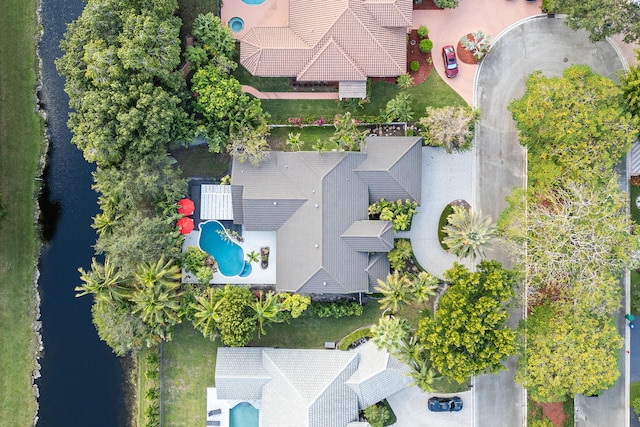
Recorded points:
275,203
324,283
317,245
317,205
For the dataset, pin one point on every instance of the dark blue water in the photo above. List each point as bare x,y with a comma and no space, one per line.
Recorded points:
82,381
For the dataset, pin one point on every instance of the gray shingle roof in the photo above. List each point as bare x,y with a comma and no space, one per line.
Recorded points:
312,200
332,41
305,388
378,268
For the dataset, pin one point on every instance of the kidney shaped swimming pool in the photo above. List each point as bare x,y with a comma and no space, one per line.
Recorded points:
215,241
243,415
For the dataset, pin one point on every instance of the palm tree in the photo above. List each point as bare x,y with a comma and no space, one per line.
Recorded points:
104,282
206,313
404,81
399,108
468,234
424,286
423,375
266,309
294,141
391,334
321,146
253,257
396,292
157,296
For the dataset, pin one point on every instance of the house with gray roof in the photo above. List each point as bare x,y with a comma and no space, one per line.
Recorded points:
339,40
309,388
318,207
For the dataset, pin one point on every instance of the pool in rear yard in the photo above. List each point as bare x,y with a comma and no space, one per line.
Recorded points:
243,415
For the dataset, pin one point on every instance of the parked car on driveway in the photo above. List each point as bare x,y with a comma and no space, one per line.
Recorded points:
445,404
450,62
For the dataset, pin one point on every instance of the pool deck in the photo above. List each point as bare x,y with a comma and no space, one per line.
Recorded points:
253,241
225,405
271,13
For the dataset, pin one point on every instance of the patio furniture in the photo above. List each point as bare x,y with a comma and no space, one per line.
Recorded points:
264,257
214,412
213,423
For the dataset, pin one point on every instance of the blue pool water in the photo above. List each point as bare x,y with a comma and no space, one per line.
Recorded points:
236,24
253,2
226,252
243,415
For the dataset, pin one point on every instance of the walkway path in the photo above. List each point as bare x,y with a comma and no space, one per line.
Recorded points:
289,95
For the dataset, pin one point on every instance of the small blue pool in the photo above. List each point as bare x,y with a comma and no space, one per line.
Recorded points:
243,415
253,2
215,241
236,24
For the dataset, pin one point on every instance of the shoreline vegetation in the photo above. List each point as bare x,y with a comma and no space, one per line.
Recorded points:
22,151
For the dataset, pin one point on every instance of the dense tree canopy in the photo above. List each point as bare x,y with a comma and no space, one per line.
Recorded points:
451,128
574,126
568,352
602,18
120,63
468,334
575,242
630,82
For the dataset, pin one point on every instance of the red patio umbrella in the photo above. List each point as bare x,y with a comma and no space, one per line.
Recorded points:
186,207
185,225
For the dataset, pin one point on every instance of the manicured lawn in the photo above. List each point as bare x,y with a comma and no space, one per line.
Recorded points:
309,134
433,92
189,367
313,332
20,148
634,391
263,84
197,161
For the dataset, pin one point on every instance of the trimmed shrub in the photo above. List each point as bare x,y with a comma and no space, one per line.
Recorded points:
423,31
414,66
353,337
446,4
426,45
336,309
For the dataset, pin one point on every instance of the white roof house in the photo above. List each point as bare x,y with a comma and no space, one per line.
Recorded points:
309,388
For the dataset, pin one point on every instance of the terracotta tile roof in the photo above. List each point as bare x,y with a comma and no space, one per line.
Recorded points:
332,41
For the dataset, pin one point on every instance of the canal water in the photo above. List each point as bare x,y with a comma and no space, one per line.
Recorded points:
82,380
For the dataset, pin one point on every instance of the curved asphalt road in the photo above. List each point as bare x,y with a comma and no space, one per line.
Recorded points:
549,45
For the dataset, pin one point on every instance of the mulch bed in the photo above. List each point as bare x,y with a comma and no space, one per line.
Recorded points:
414,54
463,54
425,5
554,412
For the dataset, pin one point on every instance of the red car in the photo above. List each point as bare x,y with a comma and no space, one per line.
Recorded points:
450,63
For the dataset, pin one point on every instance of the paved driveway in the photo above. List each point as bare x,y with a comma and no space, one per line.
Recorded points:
535,44
410,407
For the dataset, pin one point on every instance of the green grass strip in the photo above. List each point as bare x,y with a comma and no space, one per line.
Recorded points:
20,148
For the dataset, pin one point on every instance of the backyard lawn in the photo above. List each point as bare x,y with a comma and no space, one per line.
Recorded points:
189,366
433,92
20,148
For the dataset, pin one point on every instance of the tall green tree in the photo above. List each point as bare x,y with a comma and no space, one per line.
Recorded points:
104,282
236,322
122,330
347,135
266,309
396,292
574,126
468,334
206,312
575,241
568,352
601,18
120,63
468,233
391,333
213,43
399,108
630,83
156,298
451,128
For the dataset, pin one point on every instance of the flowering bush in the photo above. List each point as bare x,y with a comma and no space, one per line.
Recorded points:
297,121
